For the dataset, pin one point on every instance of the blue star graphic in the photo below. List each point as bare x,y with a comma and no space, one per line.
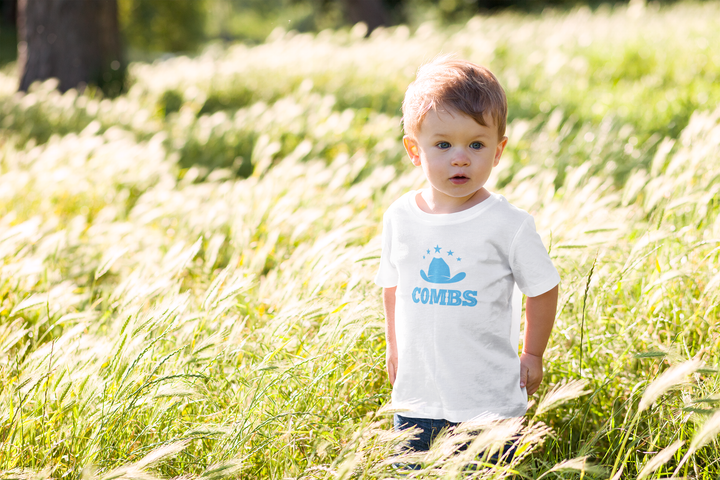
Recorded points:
450,252
437,249
428,251
423,257
459,259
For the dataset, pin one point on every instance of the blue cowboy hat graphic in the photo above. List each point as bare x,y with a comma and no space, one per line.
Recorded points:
439,272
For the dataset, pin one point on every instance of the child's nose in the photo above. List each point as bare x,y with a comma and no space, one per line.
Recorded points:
460,159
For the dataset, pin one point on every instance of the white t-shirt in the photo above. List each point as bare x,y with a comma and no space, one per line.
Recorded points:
455,275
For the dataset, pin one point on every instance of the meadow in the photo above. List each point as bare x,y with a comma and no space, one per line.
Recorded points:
186,270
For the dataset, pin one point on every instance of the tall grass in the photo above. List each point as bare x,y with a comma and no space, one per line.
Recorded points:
186,270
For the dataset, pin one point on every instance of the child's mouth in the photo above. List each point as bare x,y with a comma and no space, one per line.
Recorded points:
459,179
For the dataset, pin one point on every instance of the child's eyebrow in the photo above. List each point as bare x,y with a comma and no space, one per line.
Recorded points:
478,135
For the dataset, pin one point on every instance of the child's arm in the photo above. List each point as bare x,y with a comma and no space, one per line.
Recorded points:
539,319
391,349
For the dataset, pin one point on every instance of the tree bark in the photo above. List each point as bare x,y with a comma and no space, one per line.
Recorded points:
371,12
75,41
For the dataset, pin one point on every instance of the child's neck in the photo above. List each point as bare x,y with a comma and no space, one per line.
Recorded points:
430,201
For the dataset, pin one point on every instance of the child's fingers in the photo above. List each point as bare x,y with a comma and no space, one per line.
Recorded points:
534,382
391,370
530,372
532,388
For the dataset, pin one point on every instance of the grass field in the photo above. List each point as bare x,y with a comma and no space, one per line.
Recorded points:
186,270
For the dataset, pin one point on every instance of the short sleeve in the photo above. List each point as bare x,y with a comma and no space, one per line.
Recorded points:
531,265
387,275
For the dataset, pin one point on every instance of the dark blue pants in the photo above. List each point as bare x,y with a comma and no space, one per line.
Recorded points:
430,428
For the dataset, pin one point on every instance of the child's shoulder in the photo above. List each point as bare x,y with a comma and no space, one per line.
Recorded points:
402,203
509,212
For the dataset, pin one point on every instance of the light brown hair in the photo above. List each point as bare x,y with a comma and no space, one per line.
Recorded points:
458,85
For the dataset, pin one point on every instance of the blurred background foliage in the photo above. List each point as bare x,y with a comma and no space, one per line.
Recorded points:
163,25
151,27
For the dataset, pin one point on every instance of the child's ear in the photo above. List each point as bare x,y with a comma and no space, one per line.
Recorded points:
411,148
499,150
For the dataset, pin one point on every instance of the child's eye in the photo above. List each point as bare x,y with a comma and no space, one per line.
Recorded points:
476,145
443,145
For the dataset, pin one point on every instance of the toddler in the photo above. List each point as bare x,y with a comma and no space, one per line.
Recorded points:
452,254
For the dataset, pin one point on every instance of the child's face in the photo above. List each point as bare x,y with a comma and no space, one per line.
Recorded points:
457,155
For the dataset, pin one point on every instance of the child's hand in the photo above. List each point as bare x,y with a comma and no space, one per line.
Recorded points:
531,372
391,361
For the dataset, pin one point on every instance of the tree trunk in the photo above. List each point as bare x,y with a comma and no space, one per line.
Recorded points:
75,41
371,12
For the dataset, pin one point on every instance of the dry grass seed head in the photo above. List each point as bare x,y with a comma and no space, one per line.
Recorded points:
671,377
560,394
